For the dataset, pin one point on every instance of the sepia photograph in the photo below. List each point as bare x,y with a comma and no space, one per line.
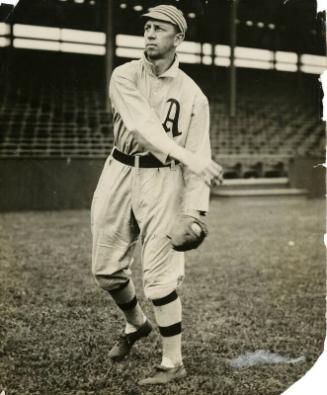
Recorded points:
162,196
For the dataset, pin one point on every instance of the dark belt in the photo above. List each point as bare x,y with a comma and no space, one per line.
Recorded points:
144,161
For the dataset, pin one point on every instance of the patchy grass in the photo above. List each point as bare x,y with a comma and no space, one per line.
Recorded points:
246,289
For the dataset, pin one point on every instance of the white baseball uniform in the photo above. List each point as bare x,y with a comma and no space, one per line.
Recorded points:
149,112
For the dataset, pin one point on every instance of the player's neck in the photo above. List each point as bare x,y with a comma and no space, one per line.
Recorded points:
162,65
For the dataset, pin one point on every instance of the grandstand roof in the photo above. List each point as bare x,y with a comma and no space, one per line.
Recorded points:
273,24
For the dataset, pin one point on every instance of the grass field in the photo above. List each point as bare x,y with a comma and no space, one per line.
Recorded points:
258,282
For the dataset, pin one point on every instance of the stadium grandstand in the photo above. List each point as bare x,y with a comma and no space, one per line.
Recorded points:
258,61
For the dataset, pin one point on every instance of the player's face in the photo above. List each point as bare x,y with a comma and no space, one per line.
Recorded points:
160,39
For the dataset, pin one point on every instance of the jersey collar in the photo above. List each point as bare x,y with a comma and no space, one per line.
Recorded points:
171,72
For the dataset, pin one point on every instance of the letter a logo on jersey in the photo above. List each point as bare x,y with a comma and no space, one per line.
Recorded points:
171,121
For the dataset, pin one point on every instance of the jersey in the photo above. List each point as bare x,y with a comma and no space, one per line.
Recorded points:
151,113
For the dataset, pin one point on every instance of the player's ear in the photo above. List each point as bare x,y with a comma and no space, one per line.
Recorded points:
179,38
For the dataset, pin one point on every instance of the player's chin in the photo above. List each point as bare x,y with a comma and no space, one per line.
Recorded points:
152,53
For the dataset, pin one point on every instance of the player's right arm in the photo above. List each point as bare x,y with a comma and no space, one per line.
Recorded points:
142,122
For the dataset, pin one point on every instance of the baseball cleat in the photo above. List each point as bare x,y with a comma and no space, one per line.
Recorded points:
125,342
165,375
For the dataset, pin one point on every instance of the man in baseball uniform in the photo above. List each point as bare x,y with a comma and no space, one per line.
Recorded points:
156,180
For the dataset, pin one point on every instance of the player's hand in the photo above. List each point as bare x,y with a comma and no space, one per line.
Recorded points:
187,233
210,171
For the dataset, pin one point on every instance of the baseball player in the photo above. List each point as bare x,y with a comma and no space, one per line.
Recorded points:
154,187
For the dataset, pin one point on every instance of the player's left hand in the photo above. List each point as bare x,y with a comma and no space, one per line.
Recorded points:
188,233
219,177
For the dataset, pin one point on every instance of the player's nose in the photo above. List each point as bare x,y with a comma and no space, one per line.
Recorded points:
150,33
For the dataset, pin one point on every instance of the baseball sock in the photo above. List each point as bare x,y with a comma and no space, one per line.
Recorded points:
168,313
126,300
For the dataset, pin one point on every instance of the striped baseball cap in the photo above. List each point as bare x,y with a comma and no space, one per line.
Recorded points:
168,13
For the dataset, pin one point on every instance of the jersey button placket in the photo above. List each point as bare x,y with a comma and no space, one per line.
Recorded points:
157,94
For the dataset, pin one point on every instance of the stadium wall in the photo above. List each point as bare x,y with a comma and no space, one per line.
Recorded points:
308,173
58,184
47,184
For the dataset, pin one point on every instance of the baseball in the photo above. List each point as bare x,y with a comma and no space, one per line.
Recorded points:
196,228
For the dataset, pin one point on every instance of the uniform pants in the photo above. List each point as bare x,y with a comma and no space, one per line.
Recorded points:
131,203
